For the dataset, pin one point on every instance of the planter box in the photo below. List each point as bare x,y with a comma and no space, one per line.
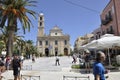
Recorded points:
80,70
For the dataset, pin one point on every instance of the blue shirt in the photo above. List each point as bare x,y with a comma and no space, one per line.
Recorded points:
98,69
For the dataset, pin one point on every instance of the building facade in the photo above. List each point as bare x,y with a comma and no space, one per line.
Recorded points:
56,43
78,42
97,33
82,40
110,20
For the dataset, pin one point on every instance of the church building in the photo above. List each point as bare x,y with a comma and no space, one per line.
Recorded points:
55,43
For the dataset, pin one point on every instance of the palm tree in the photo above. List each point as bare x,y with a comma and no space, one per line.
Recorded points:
2,46
4,36
16,39
12,11
29,44
20,45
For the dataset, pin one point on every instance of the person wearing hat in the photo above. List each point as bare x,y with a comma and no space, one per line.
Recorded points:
87,60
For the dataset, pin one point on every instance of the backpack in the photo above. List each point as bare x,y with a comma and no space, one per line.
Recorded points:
1,63
87,58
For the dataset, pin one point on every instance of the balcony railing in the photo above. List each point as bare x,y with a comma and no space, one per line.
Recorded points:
107,20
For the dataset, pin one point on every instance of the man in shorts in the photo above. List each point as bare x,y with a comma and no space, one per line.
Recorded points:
16,65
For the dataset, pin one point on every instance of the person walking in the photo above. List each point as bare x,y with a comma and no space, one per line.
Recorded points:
74,58
87,60
98,68
7,62
16,65
33,58
57,61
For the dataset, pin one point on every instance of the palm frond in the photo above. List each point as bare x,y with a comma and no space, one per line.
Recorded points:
32,13
3,20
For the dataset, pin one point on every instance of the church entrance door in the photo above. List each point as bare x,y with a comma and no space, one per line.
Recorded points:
46,52
65,51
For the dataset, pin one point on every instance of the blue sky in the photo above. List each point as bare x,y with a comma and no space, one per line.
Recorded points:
72,19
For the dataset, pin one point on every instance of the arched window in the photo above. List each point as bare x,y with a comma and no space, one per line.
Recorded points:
46,42
40,23
40,18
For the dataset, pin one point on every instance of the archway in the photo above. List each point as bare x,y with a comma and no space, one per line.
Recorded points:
56,51
46,52
65,51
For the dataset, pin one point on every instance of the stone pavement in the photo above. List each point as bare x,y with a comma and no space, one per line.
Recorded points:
46,69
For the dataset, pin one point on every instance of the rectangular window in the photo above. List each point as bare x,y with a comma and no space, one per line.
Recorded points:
106,17
46,42
110,15
111,30
65,42
40,42
107,30
56,42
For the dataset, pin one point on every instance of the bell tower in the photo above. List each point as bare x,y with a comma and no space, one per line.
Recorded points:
41,25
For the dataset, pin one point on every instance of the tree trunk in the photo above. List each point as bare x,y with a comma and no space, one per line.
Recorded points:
10,43
12,24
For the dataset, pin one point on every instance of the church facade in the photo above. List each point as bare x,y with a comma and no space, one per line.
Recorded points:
55,43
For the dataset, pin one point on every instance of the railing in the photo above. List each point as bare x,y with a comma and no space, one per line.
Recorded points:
76,78
30,77
27,67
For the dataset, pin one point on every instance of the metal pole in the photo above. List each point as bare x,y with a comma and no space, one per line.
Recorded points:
95,53
30,77
63,77
21,77
75,78
109,58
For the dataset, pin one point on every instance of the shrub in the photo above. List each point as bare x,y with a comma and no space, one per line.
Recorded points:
115,64
51,55
75,66
61,55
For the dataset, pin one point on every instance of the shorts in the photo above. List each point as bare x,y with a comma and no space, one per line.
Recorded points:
87,64
16,72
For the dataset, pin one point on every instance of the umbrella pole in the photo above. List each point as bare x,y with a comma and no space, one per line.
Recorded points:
109,58
95,53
